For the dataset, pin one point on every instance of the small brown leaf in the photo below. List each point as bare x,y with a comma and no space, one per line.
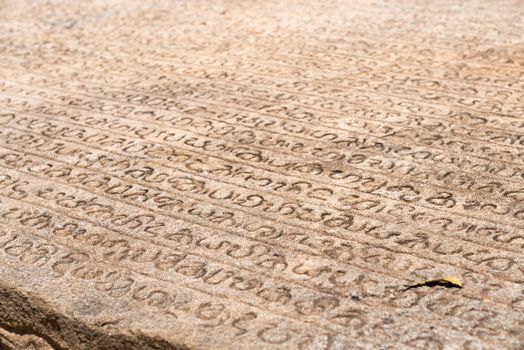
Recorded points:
449,282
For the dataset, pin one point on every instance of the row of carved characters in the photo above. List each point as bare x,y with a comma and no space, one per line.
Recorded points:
260,255
122,252
422,154
274,124
484,319
250,80
328,247
327,68
362,35
271,61
183,183
373,163
402,192
186,236
363,146
475,104
310,306
352,52
320,193
144,223
447,178
419,154
394,104
387,48
317,132
373,73
456,179
389,39
408,79
391,22
61,220
380,71
399,242
143,193
265,63
327,276
392,131
393,35
208,312
188,268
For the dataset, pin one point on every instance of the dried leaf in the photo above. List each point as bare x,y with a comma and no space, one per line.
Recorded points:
450,282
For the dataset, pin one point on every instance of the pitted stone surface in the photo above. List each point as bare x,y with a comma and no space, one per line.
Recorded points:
261,174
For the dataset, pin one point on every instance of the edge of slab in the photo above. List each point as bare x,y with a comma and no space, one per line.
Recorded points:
24,314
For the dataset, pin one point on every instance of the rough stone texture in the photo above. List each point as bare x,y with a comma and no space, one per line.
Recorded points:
13,341
261,174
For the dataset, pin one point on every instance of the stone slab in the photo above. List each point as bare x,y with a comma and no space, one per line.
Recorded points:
261,174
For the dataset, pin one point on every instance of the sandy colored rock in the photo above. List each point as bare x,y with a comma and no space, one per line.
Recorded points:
261,174
13,341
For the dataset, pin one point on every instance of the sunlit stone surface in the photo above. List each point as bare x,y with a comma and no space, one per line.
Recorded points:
261,174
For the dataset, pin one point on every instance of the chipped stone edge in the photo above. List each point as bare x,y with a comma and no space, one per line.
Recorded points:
25,314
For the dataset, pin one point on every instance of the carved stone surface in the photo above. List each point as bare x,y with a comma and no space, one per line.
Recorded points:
261,174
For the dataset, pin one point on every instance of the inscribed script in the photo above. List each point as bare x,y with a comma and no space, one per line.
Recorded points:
313,175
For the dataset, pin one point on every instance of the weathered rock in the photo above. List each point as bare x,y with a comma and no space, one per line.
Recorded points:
261,174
